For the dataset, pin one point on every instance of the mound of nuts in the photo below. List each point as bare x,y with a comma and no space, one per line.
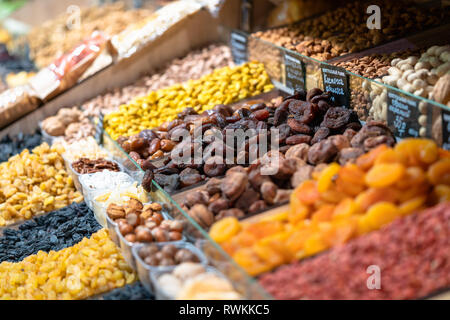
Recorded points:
167,255
144,223
34,183
225,85
85,165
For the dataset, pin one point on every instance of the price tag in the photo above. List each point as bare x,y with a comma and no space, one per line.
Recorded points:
294,72
403,114
99,130
446,129
238,44
335,81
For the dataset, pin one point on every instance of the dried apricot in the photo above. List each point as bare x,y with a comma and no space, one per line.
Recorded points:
249,260
341,231
268,254
331,196
373,195
391,156
307,192
345,209
297,239
439,172
263,229
314,244
325,213
418,151
412,205
367,160
350,180
382,213
412,177
224,229
326,177
384,174
297,213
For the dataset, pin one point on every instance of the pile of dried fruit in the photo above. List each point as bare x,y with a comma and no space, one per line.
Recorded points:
412,255
225,85
34,183
54,231
85,165
92,266
144,223
340,203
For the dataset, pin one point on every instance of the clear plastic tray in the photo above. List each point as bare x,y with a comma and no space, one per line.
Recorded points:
159,292
111,226
145,270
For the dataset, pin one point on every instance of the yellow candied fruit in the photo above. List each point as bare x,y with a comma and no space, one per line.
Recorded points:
68,273
34,183
203,94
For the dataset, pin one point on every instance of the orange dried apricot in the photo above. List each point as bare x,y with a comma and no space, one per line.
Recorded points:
325,213
307,192
382,213
391,156
413,176
224,229
439,172
341,231
268,254
373,195
384,174
418,151
314,244
248,259
350,180
411,205
263,229
345,209
326,177
297,213
332,196
297,239
367,160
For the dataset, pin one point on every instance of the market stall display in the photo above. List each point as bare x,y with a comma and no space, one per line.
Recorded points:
340,203
139,193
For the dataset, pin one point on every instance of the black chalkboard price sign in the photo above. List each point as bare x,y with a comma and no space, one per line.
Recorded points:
99,129
294,71
402,114
445,129
238,44
335,81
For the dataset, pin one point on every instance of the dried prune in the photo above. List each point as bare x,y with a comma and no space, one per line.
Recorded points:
298,126
281,113
244,113
298,95
214,166
168,182
340,141
349,155
148,134
304,112
283,131
320,97
257,206
320,134
234,212
147,180
186,112
189,177
223,110
336,118
322,152
312,93
257,106
369,130
218,205
373,142
260,114
247,197
298,138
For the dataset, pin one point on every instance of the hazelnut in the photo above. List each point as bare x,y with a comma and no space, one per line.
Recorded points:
131,237
143,234
125,228
159,235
